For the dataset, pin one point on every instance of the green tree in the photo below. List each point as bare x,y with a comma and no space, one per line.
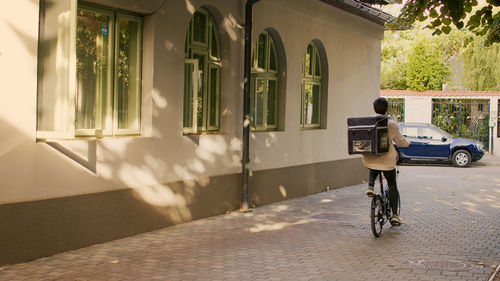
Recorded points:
394,61
426,69
476,65
481,65
441,14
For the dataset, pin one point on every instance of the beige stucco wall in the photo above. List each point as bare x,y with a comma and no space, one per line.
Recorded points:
352,47
34,171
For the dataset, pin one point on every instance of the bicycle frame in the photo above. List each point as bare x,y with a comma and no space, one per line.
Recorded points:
381,207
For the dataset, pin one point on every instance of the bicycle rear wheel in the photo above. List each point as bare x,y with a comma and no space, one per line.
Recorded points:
377,215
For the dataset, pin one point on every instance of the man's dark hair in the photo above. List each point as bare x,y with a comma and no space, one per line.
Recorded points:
380,105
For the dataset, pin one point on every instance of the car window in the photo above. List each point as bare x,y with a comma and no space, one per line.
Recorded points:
411,132
428,133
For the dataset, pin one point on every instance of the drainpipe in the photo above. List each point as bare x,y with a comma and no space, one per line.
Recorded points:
246,103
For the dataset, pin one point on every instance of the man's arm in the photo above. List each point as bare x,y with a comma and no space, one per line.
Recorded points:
398,138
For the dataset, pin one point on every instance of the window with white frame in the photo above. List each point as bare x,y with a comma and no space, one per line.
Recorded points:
311,88
89,71
264,95
201,75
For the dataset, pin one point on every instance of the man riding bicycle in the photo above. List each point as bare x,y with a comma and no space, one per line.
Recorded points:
386,162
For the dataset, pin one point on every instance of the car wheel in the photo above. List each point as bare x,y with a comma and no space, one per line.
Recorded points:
461,158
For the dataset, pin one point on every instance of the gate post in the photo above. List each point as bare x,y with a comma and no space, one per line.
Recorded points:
460,119
492,124
491,141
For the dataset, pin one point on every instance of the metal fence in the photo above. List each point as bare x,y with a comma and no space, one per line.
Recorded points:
467,118
396,109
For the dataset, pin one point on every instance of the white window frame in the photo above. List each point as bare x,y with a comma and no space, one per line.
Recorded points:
58,85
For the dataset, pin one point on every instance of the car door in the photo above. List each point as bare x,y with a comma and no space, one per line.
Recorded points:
435,146
416,148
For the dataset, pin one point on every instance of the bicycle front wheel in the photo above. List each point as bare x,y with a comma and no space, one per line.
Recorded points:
377,216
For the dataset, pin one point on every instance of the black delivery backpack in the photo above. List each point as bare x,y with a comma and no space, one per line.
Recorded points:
367,135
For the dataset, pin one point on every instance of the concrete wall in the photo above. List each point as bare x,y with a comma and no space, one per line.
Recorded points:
164,177
418,109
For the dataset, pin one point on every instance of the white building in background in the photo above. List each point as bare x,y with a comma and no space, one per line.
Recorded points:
418,107
120,117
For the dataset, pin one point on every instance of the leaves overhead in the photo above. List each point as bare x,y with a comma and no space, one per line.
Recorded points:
443,14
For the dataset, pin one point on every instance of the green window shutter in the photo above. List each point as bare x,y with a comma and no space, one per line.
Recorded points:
202,47
213,97
264,91
190,95
128,62
272,104
311,89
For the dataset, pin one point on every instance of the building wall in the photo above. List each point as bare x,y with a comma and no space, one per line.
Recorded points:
60,195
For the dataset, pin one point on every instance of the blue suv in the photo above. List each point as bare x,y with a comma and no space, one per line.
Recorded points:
428,142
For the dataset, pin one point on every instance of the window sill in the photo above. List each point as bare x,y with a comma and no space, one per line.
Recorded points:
311,128
204,133
89,138
266,131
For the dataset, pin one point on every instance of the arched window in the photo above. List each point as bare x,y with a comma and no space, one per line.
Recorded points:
311,88
201,75
264,96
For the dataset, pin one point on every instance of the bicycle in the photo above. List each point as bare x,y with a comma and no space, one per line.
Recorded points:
380,211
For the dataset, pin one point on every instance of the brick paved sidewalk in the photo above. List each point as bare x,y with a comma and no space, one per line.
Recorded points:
448,214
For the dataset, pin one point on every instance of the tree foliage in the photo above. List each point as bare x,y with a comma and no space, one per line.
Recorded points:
440,15
426,69
472,64
481,65
413,61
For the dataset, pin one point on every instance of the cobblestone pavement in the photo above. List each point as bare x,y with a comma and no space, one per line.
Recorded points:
449,214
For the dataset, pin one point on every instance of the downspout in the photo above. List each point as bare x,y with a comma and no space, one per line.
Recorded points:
246,103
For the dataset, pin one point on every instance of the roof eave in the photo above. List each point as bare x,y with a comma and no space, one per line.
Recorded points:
361,9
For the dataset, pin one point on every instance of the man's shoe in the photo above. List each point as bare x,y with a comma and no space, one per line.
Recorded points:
369,191
395,220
